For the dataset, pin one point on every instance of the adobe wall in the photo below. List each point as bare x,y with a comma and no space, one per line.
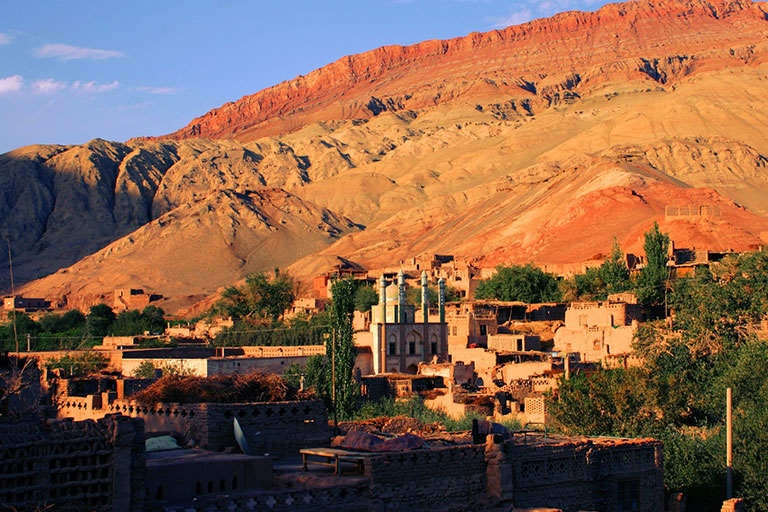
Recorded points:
595,343
510,372
285,426
343,497
603,314
586,474
571,474
513,342
427,480
91,465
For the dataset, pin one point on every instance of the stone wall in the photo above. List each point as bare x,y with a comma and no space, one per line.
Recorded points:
89,465
285,426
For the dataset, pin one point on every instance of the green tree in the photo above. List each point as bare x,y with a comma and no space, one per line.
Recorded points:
79,364
54,323
365,298
341,346
614,271
153,319
413,295
145,370
525,283
128,323
259,298
317,377
99,320
652,283
589,285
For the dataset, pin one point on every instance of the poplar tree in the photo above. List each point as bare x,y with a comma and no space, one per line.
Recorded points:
340,346
652,284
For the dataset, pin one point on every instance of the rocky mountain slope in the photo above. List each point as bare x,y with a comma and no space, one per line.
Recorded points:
539,142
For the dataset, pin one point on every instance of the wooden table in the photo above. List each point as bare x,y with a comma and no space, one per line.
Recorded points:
334,457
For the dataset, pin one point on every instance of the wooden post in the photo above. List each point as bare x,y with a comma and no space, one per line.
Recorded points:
729,445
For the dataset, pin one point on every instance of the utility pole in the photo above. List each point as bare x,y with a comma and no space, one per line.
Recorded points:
13,294
729,445
28,344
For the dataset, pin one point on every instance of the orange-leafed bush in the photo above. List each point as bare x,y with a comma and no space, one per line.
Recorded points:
251,387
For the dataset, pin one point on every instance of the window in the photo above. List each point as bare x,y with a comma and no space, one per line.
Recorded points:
628,495
392,348
519,345
433,347
455,330
411,348
483,330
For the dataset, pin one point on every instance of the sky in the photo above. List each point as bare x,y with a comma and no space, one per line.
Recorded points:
75,70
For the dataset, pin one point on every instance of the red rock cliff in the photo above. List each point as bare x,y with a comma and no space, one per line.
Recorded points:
655,38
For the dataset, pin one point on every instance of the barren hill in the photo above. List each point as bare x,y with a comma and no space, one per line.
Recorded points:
539,142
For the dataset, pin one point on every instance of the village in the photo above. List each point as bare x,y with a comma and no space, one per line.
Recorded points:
496,361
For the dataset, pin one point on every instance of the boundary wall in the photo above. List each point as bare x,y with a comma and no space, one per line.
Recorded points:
285,427
89,465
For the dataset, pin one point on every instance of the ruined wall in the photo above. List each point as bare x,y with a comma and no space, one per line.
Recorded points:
285,426
90,465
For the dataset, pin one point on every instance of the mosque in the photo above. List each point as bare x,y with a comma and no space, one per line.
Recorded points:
403,337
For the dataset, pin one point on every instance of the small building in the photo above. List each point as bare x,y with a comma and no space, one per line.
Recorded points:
25,304
133,298
307,306
470,323
398,385
513,342
684,261
595,330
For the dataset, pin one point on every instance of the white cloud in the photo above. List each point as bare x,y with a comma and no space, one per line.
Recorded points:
94,87
5,39
11,84
514,18
157,90
67,52
48,86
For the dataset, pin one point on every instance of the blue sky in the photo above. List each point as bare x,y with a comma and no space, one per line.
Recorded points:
74,70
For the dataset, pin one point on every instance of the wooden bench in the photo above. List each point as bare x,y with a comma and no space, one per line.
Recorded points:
334,457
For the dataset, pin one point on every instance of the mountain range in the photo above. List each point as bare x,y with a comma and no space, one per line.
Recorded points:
540,142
